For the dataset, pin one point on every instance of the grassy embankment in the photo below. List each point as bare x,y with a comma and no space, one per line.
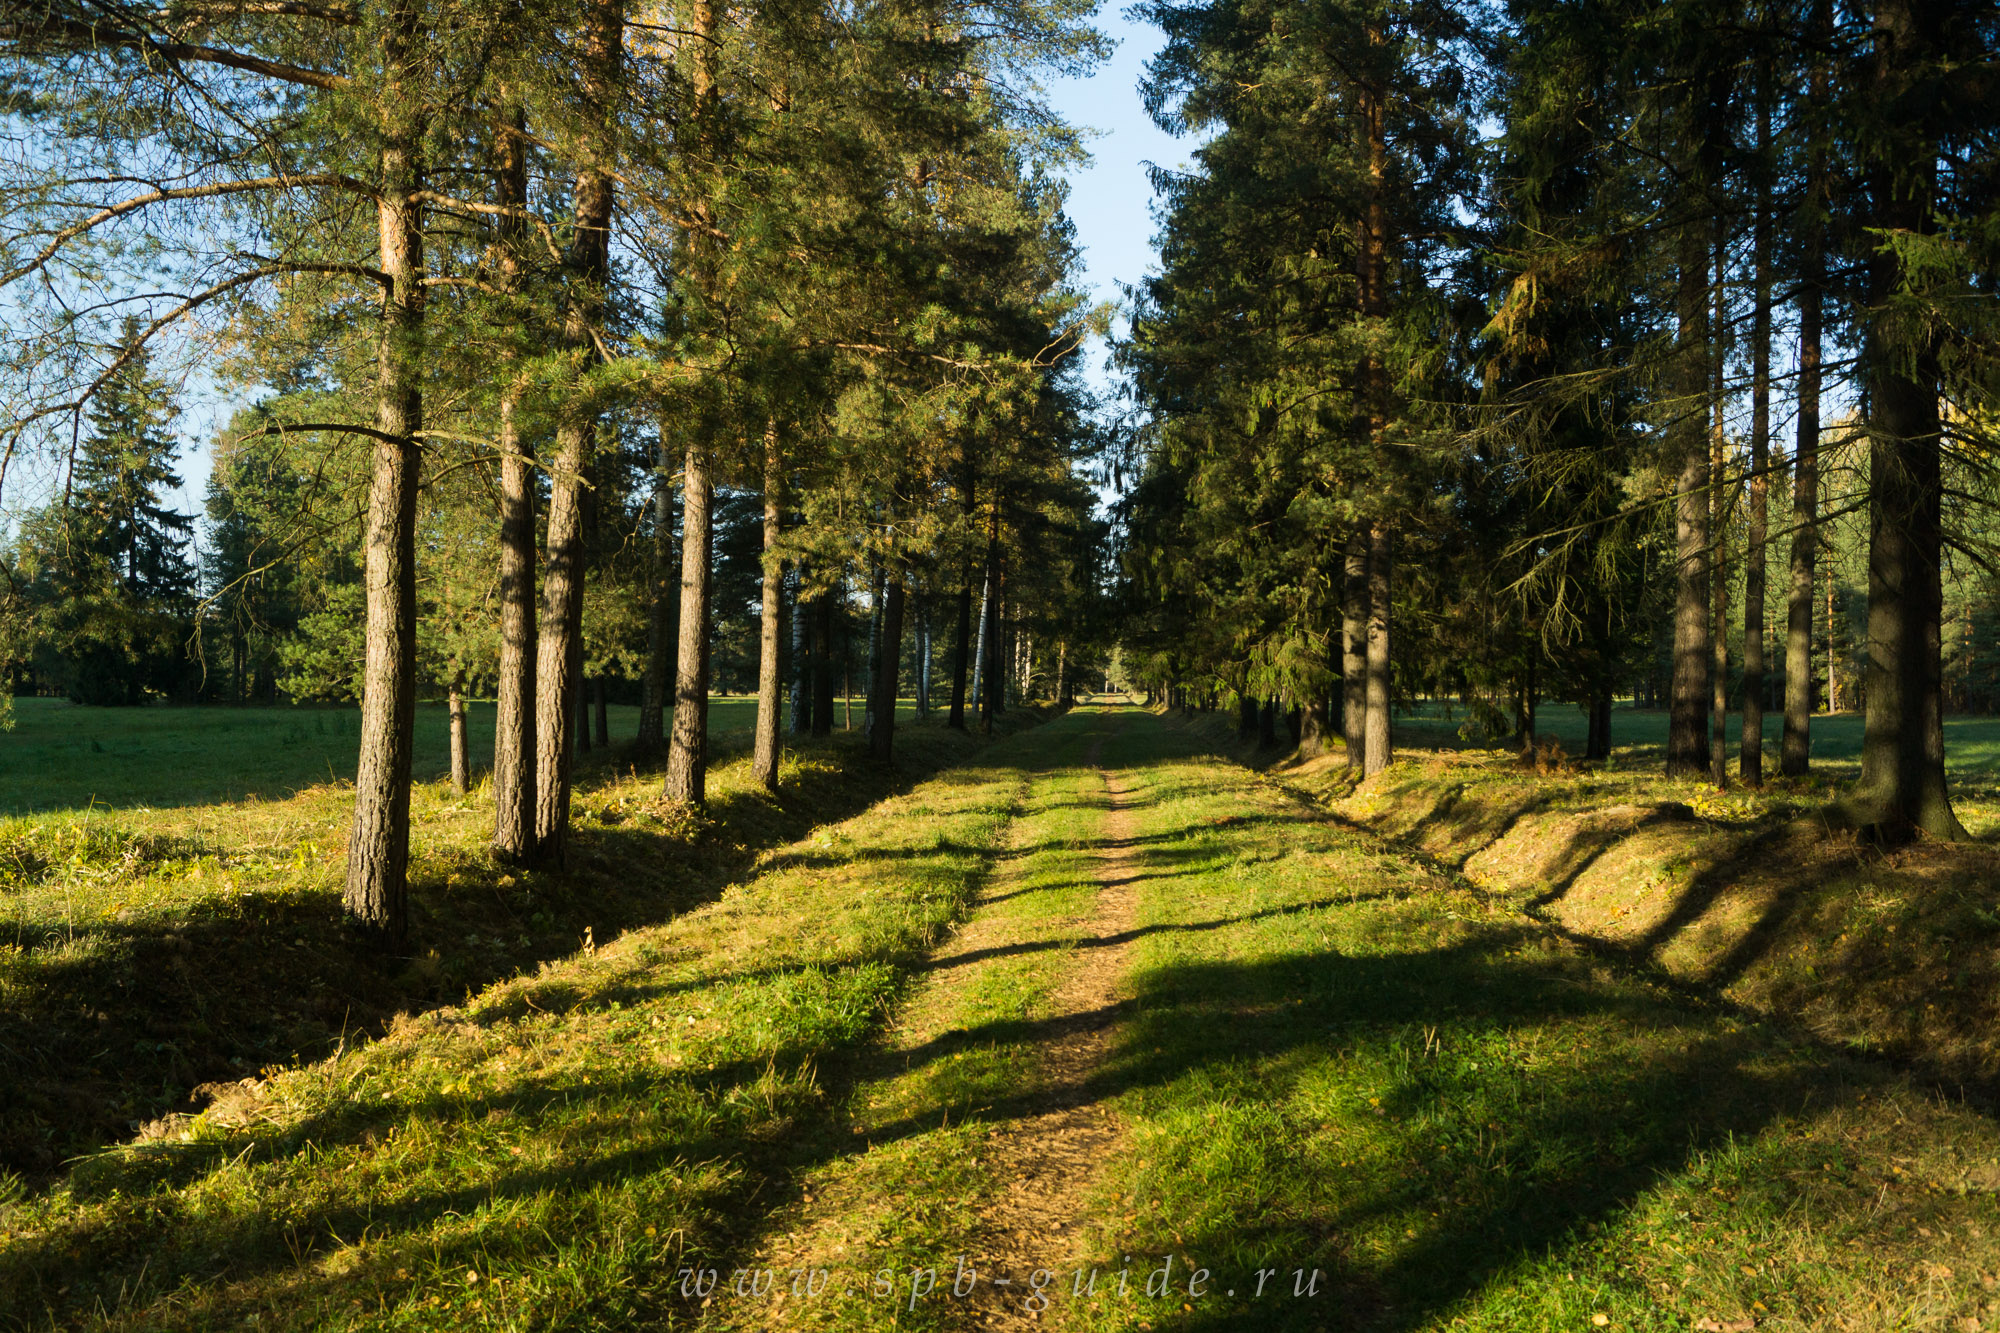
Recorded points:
155,936
1336,1058
1762,897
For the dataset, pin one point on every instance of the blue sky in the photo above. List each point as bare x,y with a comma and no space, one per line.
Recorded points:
1110,200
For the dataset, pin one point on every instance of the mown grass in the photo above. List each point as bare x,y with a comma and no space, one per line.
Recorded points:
887,1218
544,1155
1345,1061
1341,1061
62,757
147,951
1972,743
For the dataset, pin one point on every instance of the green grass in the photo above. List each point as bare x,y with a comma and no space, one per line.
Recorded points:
544,1155
147,950
1639,736
1340,1058
1345,1061
64,757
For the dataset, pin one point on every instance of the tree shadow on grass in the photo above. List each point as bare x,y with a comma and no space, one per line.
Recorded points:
112,1023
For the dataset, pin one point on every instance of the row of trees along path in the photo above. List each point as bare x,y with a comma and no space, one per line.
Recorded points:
1492,318
475,254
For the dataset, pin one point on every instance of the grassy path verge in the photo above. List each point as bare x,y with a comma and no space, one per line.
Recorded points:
1347,1092
1342,1063
546,1155
1196,1057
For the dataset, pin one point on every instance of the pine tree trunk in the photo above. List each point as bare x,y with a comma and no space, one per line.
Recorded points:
876,582
961,657
1376,743
822,718
985,651
1720,503
1246,716
514,716
687,757
802,654
1354,649
600,705
1796,757
461,762
559,663
582,732
1903,788
882,708
1267,723
1750,763
996,679
663,600
1688,707
378,849
923,659
764,758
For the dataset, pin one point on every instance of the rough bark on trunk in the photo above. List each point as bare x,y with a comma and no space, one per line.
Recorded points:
1750,761
1354,649
378,849
1903,788
514,716
1688,706
461,762
764,756
1796,755
1378,739
560,659
882,707
687,755
663,598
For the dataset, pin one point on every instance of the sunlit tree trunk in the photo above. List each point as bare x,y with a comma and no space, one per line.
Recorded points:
663,598
560,659
1354,649
514,715
461,761
378,849
687,756
764,757
1378,740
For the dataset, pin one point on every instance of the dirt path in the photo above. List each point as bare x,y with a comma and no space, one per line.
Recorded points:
1022,1177
1043,1165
